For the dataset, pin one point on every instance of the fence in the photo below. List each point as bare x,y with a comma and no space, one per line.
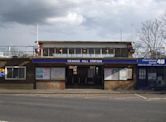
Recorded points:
17,51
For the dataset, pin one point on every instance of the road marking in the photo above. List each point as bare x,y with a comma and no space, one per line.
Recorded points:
145,98
150,99
3,121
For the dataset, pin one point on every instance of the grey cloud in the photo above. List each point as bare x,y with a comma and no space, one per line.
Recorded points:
32,11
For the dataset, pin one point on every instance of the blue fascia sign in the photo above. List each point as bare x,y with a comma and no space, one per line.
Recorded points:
48,60
151,62
108,61
84,61
120,61
67,61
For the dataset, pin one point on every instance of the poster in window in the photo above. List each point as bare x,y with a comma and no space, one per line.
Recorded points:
111,74
123,74
57,73
108,74
46,73
115,74
39,73
42,73
130,73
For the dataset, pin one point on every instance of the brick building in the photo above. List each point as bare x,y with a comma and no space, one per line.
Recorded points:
72,64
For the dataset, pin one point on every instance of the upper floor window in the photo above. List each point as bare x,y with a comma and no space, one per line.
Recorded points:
46,52
59,50
107,51
78,50
51,51
97,50
71,50
121,52
117,52
91,50
84,51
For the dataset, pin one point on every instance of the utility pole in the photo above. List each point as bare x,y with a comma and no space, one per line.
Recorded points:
120,34
37,36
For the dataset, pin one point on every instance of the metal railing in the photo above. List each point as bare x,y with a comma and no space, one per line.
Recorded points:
83,55
17,51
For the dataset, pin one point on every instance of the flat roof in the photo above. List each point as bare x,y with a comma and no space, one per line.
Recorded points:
59,41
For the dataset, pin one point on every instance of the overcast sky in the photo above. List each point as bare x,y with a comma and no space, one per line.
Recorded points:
74,19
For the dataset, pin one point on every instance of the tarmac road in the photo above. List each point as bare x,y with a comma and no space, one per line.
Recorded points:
82,108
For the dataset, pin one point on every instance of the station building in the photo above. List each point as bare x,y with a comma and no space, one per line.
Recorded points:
72,64
88,64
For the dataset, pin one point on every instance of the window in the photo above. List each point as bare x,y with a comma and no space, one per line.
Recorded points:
117,74
46,52
107,51
45,73
124,52
59,50
84,51
152,73
15,73
91,51
71,50
78,50
42,73
121,52
142,74
57,73
51,51
64,50
97,50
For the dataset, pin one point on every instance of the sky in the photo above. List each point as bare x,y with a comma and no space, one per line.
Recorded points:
90,20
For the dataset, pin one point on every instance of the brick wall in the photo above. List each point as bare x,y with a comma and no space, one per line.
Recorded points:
114,85
28,83
50,85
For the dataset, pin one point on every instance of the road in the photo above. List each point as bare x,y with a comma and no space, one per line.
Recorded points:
82,108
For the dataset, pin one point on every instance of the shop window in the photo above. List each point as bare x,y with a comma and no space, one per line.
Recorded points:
42,73
45,73
142,74
152,74
15,73
118,74
57,73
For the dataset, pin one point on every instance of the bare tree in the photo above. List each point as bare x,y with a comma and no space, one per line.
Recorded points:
163,20
151,38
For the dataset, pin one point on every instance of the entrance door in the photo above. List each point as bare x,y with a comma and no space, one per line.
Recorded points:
84,77
142,78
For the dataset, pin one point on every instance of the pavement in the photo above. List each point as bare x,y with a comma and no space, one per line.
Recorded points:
78,91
